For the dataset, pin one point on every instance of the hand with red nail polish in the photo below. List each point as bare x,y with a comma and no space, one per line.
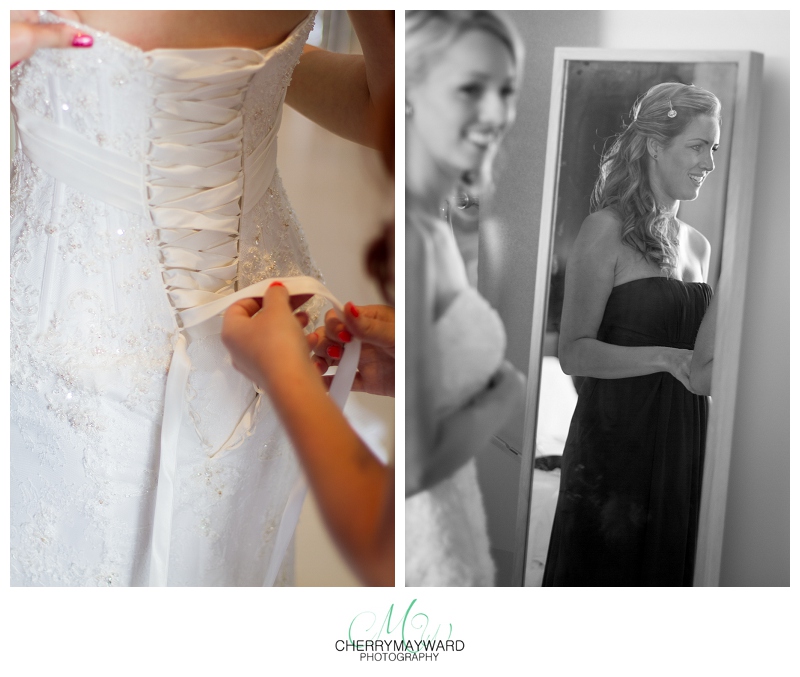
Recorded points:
374,325
28,35
354,488
268,346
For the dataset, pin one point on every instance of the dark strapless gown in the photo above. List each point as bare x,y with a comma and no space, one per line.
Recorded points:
629,499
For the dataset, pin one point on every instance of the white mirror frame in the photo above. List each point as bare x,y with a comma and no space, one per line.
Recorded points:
731,291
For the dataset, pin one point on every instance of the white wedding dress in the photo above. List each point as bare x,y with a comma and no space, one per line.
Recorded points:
144,187
447,542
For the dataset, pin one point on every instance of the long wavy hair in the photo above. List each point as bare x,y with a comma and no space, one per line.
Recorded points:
624,181
429,33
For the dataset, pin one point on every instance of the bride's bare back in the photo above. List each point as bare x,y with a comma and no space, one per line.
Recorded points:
180,29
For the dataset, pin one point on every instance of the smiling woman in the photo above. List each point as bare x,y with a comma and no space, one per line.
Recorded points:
690,155
461,73
634,297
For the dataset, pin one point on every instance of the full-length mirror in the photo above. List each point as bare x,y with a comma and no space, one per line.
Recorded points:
592,102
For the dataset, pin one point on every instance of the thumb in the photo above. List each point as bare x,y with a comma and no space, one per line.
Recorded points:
276,295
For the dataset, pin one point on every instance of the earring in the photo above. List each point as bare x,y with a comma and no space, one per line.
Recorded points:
655,156
409,109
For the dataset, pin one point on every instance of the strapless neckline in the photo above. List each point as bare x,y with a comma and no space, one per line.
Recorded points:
657,277
119,42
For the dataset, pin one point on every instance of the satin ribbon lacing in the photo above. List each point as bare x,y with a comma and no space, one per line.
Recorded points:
195,182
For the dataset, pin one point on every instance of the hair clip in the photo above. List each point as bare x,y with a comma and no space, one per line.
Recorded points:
672,112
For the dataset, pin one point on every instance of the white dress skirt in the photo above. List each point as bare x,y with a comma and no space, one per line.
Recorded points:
447,543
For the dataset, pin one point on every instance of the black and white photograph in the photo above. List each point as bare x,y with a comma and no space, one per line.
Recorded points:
595,185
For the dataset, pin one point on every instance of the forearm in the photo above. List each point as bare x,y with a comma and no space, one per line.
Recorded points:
354,490
331,89
469,429
700,377
340,91
703,356
375,31
590,357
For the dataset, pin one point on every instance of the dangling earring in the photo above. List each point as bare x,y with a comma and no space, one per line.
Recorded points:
409,109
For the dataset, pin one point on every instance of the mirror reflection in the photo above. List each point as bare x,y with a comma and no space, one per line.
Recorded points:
636,248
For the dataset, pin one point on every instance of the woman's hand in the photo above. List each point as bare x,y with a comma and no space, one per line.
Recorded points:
679,363
28,35
267,346
374,325
493,405
354,490
466,431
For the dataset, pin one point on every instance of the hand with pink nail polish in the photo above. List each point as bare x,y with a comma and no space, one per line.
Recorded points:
28,35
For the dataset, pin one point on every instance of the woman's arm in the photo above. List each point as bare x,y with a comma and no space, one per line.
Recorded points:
703,356
589,281
420,425
436,447
354,490
340,91
472,427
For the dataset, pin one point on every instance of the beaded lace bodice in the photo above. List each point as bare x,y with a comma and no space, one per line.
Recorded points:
143,185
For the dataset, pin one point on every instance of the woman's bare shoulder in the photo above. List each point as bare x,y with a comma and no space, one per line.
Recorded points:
600,231
697,242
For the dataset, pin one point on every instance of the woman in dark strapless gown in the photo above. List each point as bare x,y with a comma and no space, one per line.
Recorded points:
629,499
631,474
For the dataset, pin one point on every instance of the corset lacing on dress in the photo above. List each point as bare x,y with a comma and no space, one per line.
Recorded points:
195,183
196,195
195,192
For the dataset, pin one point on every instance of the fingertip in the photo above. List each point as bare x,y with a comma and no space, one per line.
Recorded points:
276,289
82,40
